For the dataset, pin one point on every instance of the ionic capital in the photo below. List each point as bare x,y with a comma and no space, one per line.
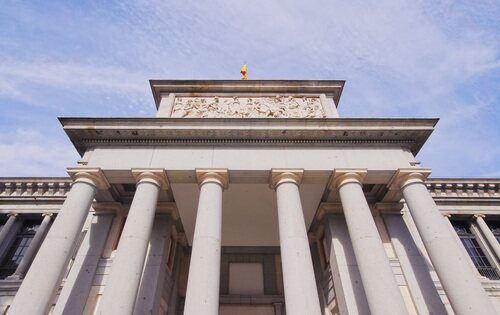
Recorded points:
406,176
219,176
477,216
48,214
12,214
280,176
346,175
155,176
92,176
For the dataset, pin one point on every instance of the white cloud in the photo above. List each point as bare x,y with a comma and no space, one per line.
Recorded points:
28,152
404,58
67,77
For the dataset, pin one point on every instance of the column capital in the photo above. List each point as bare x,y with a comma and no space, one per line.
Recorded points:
12,214
92,176
156,176
213,175
406,176
284,175
346,175
477,216
47,214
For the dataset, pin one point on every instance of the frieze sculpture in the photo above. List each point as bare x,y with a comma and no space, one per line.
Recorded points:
248,107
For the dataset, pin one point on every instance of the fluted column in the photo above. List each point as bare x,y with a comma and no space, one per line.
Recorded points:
32,248
486,231
374,266
301,293
121,289
8,226
37,291
462,287
202,294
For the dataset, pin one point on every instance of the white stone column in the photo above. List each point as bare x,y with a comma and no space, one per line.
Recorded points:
485,230
462,287
202,294
32,248
77,285
37,291
301,293
318,273
8,226
414,266
121,289
154,274
374,266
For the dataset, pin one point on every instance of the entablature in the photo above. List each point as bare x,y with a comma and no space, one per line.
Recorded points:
87,133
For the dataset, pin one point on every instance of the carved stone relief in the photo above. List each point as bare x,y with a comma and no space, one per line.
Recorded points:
248,107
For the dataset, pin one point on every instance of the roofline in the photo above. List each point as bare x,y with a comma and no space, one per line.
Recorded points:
89,132
460,180
331,88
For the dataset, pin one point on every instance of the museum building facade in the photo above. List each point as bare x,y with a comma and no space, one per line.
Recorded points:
249,197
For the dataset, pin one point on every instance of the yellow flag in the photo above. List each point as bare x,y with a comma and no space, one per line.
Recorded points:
244,72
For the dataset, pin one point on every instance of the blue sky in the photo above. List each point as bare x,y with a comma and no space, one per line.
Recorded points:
401,58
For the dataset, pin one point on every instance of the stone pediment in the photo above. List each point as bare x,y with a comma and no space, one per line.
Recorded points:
248,107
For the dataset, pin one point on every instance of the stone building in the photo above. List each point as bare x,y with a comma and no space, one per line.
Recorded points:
249,197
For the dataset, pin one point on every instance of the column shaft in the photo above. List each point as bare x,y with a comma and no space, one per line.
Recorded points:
32,248
374,266
7,227
37,291
459,282
485,229
301,293
154,275
123,283
75,292
202,295
414,267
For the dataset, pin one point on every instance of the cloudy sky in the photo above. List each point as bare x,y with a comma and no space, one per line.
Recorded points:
404,58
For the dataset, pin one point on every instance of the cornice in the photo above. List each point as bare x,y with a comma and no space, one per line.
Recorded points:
331,88
463,189
50,188
90,132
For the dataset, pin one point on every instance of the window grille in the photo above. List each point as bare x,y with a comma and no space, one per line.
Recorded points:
495,228
475,252
19,247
